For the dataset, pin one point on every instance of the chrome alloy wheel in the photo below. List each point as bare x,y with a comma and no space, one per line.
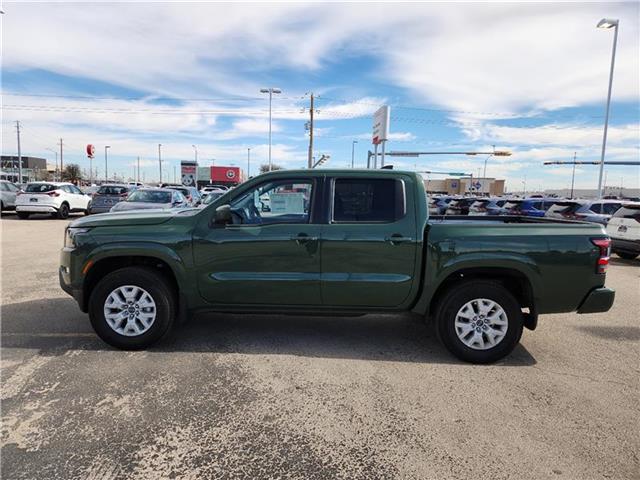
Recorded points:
130,310
481,324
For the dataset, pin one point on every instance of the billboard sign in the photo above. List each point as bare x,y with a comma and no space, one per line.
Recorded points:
381,121
226,174
188,169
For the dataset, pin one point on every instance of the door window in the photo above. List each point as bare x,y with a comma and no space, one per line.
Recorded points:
276,201
377,200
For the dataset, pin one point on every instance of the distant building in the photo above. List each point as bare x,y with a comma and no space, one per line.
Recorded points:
32,167
458,186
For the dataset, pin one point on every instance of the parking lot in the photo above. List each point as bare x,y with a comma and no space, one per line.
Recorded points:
231,396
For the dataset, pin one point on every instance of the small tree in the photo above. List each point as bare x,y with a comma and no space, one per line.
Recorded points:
71,173
264,168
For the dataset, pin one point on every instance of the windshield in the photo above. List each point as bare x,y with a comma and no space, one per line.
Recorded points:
212,197
150,196
112,190
184,191
40,187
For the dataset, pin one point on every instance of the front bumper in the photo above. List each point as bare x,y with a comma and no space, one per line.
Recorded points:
622,245
36,208
70,276
597,300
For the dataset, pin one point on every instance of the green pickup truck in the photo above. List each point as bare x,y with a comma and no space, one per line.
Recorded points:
339,242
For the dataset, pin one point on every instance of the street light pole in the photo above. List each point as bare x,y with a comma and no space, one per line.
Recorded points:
606,24
270,91
106,169
248,162
195,148
160,161
353,151
573,174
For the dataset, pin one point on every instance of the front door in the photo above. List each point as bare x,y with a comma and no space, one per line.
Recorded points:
370,244
269,255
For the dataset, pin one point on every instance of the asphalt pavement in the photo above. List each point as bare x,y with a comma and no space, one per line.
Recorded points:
230,396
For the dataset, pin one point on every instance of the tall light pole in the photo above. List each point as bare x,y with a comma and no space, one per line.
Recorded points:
106,169
606,24
195,149
160,161
270,91
353,151
248,162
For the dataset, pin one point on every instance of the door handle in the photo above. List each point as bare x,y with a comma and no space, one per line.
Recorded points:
303,238
397,239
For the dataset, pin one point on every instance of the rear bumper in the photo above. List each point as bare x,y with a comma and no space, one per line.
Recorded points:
100,209
36,208
621,245
597,300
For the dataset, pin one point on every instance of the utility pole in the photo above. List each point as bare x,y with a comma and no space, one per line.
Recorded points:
160,161
138,171
19,153
174,174
248,162
310,158
61,160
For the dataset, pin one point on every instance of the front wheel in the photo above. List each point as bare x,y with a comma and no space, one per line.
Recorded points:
479,321
132,308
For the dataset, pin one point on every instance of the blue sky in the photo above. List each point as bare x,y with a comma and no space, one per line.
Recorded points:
530,78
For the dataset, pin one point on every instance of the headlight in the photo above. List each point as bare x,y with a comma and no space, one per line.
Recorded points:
70,235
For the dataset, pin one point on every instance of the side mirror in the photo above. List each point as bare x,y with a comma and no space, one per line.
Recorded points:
222,215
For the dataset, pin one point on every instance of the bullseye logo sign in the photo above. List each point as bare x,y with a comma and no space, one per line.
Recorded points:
231,174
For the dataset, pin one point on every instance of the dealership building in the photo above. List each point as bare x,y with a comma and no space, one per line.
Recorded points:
31,167
462,185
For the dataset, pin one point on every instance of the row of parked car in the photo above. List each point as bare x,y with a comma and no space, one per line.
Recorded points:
59,199
622,218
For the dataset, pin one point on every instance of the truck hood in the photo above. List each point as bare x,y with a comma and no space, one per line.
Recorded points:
135,217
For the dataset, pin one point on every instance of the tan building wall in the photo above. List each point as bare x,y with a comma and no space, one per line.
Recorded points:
458,186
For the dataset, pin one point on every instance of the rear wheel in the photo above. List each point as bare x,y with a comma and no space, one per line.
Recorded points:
23,215
626,255
63,211
479,321
132,308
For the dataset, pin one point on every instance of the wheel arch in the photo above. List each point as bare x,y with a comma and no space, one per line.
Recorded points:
167,264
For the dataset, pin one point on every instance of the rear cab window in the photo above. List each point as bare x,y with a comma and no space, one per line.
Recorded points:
368,200
628,212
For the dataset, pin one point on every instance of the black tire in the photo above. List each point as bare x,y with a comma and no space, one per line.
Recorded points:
626,255
459,295
159,290
63,211
23,215
1,206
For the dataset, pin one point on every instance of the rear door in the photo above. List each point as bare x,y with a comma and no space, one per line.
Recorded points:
369,244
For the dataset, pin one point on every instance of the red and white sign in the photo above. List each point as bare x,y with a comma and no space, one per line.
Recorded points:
381,125
226,174
91,150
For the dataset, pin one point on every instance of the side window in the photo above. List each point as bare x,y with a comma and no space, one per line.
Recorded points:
12,187
368,200
76,190
276,201
4,187
66,189
611,208
596,207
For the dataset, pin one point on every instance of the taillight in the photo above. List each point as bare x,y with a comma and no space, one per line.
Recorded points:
604,244
55,193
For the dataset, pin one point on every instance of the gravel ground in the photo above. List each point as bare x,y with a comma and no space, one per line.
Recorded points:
231,396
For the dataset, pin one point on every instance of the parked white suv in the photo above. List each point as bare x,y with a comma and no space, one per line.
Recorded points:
624,230
56,198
